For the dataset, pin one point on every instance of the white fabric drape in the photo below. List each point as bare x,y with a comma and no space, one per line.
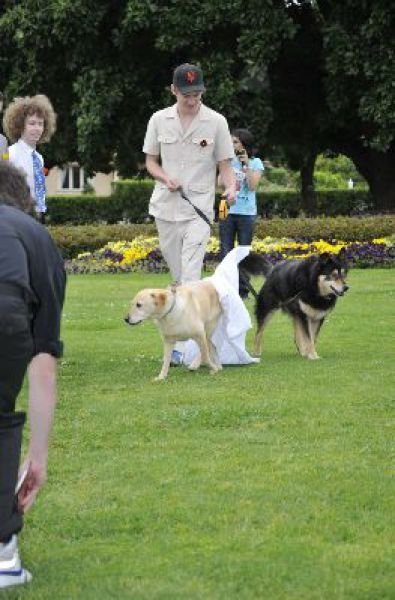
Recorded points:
230,333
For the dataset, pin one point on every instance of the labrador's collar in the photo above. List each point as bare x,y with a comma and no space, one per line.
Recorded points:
173,289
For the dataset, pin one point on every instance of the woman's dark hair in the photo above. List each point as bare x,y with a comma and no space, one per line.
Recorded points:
246,138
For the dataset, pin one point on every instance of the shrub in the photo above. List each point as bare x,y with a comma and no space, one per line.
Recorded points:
328,181
340,165
130,199
128,203
331,228
329,203
279,176
85,208
72,240
144,254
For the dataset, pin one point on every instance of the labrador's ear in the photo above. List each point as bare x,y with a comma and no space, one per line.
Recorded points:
159,298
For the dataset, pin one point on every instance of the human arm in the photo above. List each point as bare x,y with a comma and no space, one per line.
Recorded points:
42,401
152,151
155,169
252,175
228,180
48,281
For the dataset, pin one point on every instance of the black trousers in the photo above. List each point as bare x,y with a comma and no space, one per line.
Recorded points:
242,228
16,348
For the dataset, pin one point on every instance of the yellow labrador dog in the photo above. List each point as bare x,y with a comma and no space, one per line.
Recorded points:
189,311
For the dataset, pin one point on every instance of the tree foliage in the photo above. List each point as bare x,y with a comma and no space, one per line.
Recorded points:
305,76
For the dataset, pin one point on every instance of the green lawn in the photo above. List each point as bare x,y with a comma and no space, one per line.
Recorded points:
269,481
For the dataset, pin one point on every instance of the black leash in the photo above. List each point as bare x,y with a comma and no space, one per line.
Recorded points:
201,214
198,211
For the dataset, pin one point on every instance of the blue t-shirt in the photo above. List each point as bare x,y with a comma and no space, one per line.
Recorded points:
245,199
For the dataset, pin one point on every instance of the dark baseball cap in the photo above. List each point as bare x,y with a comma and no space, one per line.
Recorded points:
188,78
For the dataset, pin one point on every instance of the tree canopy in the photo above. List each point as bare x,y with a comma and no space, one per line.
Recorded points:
305,76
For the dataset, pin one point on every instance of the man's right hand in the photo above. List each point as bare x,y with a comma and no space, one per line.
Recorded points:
172,184
155,169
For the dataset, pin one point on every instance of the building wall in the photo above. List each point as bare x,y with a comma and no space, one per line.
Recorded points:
101,182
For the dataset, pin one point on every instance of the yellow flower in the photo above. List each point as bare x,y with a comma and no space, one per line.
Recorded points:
213,245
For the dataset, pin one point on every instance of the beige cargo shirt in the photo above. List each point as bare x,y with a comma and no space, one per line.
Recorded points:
191,157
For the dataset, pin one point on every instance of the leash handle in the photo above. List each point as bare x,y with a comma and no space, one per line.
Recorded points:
223,208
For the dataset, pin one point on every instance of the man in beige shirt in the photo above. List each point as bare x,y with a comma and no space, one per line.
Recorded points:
185,144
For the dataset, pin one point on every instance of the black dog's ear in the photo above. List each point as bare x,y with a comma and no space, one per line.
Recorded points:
342,256
324,258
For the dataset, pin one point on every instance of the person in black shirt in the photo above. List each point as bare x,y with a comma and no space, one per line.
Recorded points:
32,288
3,139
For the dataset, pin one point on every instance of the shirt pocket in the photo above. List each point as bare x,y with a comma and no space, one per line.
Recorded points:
203,147
168,146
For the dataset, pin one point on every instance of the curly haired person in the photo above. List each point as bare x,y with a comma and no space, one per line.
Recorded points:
28,122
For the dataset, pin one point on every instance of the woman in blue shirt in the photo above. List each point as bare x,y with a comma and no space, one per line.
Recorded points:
242,214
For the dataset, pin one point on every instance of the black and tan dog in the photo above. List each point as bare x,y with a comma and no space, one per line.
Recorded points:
306,289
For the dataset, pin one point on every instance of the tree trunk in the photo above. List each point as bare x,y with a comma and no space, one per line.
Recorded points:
378,168
307,185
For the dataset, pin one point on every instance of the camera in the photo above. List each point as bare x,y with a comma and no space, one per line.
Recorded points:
239,152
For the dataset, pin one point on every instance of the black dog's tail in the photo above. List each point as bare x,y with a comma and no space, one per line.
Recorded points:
254,264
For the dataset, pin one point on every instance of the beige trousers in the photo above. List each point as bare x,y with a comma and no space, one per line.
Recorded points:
183,245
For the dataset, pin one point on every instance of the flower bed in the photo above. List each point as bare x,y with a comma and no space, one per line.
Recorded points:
143,254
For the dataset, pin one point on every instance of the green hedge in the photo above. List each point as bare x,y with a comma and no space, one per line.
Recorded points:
130,198
328,228
72,240
329,203
128,202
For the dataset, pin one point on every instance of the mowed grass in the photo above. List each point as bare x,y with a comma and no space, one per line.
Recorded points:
269,481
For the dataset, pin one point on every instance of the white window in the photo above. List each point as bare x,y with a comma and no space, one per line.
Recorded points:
72,178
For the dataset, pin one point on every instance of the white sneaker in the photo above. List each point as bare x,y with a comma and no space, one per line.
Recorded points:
11,570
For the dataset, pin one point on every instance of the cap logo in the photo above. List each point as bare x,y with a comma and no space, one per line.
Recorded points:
191,76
